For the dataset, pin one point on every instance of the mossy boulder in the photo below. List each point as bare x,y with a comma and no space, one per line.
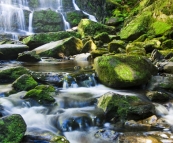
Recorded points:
104,37
24,83
74,17
12,73
67,47
87,27
42,94
135,48
47,21
115,45
124,107
39,39
12,128
59,139
11,51
28,56
121,71
88,47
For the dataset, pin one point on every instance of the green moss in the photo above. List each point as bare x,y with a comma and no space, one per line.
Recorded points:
119,103
123,71
12,129
25,82
87,27
159,28
11,74
99,52
41,94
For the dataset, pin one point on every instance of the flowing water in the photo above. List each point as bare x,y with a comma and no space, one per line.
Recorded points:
74,103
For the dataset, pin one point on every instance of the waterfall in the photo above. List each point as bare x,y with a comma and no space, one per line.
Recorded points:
91,17
30,29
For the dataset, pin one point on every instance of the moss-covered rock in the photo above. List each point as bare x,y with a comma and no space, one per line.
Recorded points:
74,17
36,40
12,73
88,47
12,128
59,139
115,45
11,51
29,56
66,47
135,48
42,94
24,82
104,37
122,71
153,18
123,107
87,27
47,21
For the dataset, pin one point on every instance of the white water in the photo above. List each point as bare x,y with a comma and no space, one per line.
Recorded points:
91,17
30,29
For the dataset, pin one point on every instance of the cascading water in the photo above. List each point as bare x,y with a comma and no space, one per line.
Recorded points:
91,17
30,29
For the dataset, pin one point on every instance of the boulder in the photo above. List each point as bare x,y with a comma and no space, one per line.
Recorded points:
42,94
87,27
104,37
157,96
11,51
121,71
167,44
28,56
12,73
39,39
135,48
115,45
88,47
160,82
67,47
168,67
24,83
124,107
12,128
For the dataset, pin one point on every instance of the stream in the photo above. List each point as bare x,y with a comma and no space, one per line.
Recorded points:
75,104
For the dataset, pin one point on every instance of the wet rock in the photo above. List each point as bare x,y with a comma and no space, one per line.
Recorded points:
104,37
157,96
156,56
115,45
107,135
137,138
11,51
121,71
42,94
151,120
24,83
121,106
29,56
168,67
135,126
87,27
69,46
12,128
8,74
36,40
88,47
160,82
